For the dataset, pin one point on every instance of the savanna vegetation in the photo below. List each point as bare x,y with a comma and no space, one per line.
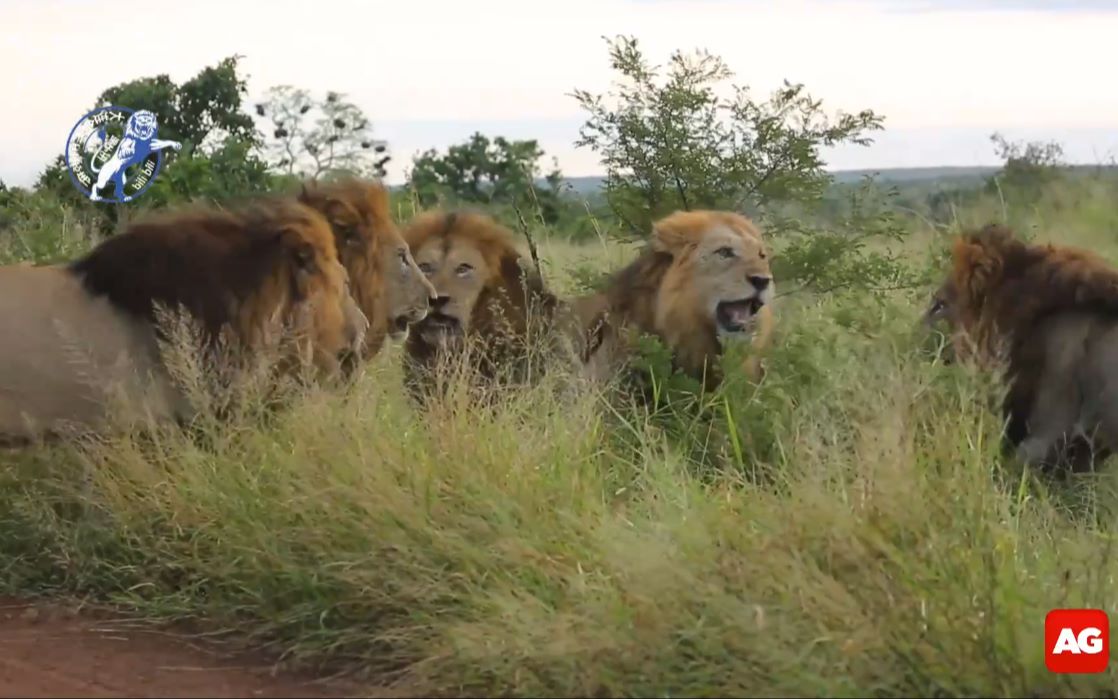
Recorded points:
847,527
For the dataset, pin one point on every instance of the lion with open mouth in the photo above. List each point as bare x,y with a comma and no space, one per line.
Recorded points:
702,283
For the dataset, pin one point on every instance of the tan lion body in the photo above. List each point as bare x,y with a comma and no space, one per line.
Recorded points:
1051,315
68,355
74,332
703,282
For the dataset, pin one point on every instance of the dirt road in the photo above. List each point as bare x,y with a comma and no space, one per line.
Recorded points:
51,651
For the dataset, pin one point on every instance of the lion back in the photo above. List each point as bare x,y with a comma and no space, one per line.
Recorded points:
207,263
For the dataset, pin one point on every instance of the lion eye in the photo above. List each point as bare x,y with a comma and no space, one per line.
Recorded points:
725,252
426,268
463,269
347,232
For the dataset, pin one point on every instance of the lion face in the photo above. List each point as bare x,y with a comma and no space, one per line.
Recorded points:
459,273
474,266
141,125
387,283
410,293
719,273
944,305
323,299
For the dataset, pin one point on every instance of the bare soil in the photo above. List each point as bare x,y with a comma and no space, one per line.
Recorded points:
52,650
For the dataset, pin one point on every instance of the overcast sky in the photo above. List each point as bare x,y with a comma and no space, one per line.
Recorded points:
944,73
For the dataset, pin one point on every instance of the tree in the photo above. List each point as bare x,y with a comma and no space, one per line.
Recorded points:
231,171
1027,167
485,171
201,113
310,138
675,144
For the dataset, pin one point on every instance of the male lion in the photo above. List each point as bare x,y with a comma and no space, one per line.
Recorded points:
386,282
81,333
484,295
1051,314
702,281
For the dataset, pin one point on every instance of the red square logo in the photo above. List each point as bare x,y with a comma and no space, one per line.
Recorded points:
1076,640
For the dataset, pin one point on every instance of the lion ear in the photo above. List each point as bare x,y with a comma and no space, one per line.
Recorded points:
668,239
301,254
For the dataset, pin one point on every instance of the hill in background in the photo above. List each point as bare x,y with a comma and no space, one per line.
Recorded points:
946,175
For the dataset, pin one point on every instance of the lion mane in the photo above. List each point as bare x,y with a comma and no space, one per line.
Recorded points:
655,293
384,279
511,308
1004,285
233,271
1013,301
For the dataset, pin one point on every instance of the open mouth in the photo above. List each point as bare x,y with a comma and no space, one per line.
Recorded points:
438,326
736,316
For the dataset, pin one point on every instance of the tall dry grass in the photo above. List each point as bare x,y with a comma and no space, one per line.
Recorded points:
861,535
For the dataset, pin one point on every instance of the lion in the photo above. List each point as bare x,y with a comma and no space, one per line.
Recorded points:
387,283
138,143
83,332
702,282
1049,315
485,297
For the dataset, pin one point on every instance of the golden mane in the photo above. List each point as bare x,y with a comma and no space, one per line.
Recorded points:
649,292
361,221
368,243
506,299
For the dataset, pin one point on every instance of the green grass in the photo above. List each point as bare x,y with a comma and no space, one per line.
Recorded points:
856,533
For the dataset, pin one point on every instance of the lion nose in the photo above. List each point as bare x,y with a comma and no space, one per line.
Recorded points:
759,283
438,302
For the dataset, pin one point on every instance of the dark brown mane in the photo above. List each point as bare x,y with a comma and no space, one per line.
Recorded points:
208,262
1006,285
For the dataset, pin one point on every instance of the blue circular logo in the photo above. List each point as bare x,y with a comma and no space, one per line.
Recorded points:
113,154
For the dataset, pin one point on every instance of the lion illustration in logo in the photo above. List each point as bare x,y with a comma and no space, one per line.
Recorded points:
138,143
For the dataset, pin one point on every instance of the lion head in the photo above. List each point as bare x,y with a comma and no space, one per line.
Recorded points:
703,281
999,287
482,288
241,274
388,286
141,125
